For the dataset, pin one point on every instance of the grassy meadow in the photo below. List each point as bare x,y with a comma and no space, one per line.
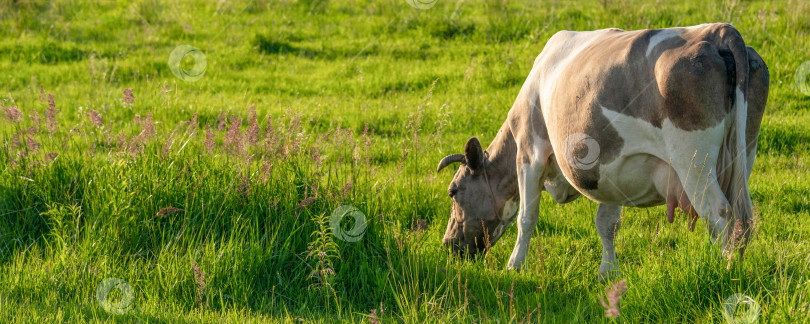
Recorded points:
211,199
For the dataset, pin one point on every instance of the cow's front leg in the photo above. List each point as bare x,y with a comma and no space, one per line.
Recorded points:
607,224
529,178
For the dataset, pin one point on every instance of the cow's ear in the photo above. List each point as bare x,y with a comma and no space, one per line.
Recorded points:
473,154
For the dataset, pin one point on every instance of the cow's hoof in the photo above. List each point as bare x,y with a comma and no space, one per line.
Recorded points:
513,266
608,272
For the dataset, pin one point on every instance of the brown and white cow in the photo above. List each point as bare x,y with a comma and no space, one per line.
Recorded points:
626,118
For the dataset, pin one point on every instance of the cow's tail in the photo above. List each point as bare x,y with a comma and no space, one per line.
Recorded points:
737,192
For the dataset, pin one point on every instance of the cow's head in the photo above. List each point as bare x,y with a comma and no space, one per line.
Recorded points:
483,202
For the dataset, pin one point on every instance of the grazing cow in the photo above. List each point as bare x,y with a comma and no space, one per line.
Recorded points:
626,118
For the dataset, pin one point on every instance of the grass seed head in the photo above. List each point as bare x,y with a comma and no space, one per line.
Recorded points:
167,145
95,118
210,145
193,124
167,211
252,132
32,145
304,203
129,97
222,121
614,296
51,156
13,114
199,282
35,121
50,115
147,126
346,189
233,139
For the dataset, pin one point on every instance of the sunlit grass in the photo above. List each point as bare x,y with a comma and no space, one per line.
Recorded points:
355,103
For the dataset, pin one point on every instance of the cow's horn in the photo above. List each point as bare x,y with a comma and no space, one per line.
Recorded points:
450,159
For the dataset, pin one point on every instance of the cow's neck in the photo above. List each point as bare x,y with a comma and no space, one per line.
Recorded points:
502,167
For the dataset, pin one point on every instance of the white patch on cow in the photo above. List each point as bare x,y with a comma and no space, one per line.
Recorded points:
694,157
741,118
741,157
539,150
660,37
646,137
509,210
540,146
698,26
752,152
572,44
627,179
496,234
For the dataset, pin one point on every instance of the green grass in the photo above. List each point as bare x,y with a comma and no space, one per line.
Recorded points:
422,82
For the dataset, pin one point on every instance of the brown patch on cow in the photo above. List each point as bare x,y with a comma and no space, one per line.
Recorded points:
630,69
689,80
759,80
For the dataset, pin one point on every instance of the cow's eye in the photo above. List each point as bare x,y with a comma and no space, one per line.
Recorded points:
452,192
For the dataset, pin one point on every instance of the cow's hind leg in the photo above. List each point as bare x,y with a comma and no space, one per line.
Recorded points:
607,224
702,108
711,205
697,173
